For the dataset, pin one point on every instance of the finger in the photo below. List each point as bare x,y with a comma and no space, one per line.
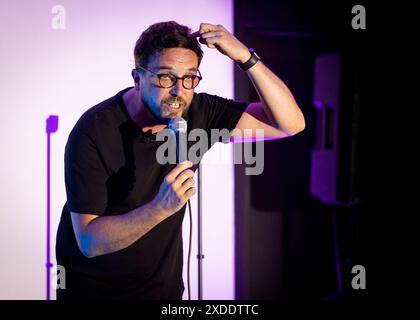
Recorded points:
189,182
211,34
211,39
202,41
190,192
171,176
206,27
186,185
211,42
207,43
154,129
195,34
182,177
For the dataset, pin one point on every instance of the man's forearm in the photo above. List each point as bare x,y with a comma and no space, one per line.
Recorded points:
107,234
277,100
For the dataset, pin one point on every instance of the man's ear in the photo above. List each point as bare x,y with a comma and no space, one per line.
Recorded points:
136,77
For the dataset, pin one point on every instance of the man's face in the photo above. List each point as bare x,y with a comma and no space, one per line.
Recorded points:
168,103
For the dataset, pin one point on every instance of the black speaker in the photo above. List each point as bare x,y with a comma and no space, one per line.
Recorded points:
334,159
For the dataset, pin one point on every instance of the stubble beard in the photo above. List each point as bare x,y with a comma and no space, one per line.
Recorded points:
165,112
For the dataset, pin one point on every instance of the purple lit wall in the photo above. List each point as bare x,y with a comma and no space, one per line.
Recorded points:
61,61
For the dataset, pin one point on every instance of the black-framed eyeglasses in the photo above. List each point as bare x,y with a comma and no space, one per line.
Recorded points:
168,80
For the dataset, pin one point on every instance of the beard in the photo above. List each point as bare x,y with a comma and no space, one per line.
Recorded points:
169,108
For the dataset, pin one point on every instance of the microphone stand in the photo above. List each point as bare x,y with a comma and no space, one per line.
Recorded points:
178,127
51,127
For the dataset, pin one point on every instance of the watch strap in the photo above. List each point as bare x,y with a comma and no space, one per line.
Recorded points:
251,61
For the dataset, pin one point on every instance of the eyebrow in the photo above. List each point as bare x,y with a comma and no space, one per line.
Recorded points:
172,68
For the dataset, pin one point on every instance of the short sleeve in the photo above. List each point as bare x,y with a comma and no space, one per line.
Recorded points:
224,113
85,175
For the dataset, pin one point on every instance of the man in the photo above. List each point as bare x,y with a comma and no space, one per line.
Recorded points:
120,234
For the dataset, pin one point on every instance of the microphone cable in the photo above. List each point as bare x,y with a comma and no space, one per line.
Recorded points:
189,252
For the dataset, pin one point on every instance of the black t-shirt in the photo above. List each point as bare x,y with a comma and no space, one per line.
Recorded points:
110,169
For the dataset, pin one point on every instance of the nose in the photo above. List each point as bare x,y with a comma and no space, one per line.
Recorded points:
177,88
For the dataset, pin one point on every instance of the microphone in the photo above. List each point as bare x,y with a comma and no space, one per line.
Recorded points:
178,126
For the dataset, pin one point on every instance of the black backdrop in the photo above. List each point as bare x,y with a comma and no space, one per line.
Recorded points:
285,238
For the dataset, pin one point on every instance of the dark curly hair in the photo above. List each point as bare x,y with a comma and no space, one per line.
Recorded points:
164,35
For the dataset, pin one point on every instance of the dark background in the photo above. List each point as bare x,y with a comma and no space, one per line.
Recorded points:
289,243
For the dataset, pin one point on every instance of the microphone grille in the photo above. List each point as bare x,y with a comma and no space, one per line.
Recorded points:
178,124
